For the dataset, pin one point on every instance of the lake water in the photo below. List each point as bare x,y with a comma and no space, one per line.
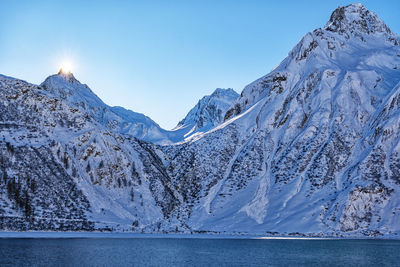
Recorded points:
196,252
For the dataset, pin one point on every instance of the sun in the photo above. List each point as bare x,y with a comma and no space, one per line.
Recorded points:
66,67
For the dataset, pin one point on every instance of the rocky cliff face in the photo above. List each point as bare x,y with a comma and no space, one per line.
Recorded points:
312,148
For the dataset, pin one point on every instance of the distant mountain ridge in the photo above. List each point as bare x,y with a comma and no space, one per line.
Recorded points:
119,119
310,149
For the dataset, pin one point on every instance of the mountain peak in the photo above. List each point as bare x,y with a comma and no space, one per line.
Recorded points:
222,92
65,85
209,111
67,76
355,18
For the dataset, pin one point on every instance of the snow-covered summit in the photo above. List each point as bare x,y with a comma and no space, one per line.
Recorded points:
68,76
210,109
120,120
208,112
66,86
354,37
355,18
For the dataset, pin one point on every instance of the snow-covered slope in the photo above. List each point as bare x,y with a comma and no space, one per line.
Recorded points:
63,170
312,148
353,39
207,114
117,119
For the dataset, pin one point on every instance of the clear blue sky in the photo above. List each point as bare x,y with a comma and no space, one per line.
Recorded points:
160,57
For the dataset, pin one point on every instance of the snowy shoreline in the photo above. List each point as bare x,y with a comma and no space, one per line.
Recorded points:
5,235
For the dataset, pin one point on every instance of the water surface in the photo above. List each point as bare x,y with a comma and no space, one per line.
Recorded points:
196,252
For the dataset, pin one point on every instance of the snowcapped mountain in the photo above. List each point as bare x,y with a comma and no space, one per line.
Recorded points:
207,114
312,148
63,167
353,38
60,169
117,119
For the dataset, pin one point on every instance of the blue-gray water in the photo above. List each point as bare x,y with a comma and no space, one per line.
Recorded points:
196,252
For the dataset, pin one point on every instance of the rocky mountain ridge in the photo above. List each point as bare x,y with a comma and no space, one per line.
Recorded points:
118,119
312,148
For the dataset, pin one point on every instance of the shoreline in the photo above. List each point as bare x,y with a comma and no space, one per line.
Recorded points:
124,235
